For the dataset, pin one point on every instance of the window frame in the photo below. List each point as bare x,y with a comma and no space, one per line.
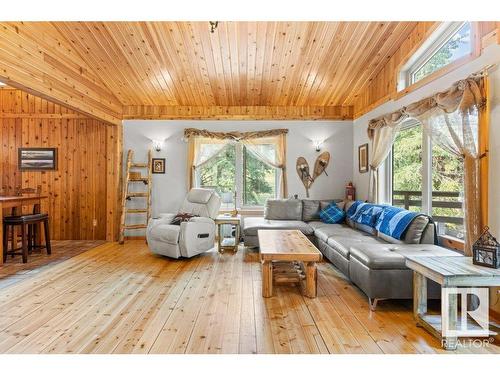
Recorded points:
444,239
239,177
437,38
428,53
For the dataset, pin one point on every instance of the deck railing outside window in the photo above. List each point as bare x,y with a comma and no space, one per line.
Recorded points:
446,206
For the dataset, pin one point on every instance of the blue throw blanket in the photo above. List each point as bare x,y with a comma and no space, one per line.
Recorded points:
364,213
393,221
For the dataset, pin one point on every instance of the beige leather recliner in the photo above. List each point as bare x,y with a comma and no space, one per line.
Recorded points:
192,237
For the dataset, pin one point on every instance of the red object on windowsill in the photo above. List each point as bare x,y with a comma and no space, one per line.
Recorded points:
350,192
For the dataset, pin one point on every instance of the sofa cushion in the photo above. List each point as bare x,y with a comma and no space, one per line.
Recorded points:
253,224
348,220
310,209
283,209
343,244
166,233
316,224
325,231
390,256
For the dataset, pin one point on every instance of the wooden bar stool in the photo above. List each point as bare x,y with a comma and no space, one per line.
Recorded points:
28,234
18,211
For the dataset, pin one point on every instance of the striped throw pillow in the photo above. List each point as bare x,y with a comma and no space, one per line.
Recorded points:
332,214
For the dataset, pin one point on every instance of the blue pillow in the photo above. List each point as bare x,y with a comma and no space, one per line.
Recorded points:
332,214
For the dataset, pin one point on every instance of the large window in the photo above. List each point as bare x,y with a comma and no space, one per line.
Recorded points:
235,168
407,168
259,179
220,172
428,179
449,43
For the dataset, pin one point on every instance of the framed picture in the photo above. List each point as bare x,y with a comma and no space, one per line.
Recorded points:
159,165
363,158
37,159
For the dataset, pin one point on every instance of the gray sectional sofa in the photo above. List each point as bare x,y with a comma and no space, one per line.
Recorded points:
373,261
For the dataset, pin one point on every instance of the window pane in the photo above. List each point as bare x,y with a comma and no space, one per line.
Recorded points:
407,169
259,178
456,47
219,173
447,192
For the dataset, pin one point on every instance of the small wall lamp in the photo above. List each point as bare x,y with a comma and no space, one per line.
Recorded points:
317,144
157,145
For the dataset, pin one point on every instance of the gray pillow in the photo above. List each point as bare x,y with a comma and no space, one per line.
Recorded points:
310,210
347,205
283,209
416,229
413,233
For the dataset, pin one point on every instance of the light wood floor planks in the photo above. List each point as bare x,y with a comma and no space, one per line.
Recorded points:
123,299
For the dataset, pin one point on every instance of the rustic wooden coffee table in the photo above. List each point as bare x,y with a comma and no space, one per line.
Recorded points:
288,256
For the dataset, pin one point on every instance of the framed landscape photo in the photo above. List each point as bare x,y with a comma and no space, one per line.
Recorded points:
37,159
158,165
363,158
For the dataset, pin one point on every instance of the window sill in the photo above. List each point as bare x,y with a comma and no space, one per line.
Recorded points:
451,242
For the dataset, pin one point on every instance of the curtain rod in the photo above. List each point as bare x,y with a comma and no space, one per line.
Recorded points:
487,68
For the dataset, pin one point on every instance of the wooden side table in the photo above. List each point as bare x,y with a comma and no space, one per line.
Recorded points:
228,243
449,272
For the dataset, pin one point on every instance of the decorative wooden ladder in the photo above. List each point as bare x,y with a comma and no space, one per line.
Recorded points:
131,178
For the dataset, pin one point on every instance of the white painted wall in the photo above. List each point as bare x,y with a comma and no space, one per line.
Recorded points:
490,56
170,188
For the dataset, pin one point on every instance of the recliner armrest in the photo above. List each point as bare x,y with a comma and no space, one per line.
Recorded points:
199,219
163,219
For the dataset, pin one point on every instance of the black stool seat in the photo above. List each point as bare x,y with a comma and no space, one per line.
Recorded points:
28,224
25,219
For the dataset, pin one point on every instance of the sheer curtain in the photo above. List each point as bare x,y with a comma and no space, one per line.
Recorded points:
457,133
382,140
204,145
452,118
200,151
273,156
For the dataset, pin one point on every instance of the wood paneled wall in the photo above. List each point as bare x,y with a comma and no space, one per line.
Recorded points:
83,191
383,87
147,112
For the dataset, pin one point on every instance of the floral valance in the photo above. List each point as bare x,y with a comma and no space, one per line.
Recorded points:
463,96
235,135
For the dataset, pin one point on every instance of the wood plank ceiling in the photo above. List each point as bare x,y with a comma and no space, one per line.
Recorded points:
241,64
311,68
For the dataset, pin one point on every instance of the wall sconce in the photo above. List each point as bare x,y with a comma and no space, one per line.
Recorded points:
317,144
157,145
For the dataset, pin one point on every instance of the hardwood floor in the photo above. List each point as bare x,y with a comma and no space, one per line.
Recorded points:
122,299
14,270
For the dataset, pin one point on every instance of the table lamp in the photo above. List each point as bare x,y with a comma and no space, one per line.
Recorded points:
228,198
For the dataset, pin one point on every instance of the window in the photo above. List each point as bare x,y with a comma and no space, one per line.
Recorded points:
236,168
427,178
447,192
407,168
259,183
452,41
220,172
